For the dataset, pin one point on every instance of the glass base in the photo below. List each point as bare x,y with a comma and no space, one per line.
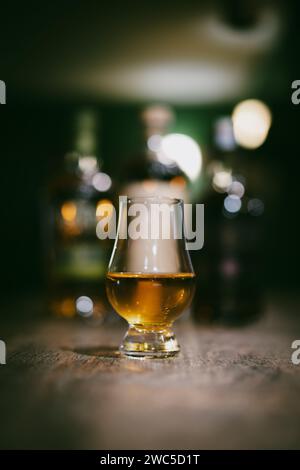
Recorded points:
139,342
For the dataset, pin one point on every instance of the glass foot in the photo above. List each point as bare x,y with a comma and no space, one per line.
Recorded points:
139,342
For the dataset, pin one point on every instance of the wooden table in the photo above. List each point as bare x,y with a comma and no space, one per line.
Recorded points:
65,386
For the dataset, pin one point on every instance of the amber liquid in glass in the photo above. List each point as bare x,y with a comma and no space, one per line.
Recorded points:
150,300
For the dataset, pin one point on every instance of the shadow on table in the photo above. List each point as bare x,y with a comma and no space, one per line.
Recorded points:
98,351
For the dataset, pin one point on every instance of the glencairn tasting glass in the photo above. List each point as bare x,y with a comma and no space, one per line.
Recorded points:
150,279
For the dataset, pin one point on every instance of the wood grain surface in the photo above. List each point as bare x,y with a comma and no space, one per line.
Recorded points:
66,386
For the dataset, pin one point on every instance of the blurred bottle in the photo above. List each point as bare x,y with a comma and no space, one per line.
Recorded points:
229,267
153,171
76,259
150,172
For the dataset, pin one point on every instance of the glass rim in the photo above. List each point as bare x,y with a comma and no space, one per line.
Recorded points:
158,199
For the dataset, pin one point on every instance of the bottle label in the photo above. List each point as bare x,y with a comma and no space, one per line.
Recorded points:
81,261
155,187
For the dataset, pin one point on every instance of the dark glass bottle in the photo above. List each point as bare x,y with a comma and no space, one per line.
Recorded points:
148,172
229,267
76,259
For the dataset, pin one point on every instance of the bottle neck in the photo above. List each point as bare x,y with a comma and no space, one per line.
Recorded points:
152,138
83,161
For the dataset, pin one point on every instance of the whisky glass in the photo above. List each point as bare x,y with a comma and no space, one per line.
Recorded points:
150,278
